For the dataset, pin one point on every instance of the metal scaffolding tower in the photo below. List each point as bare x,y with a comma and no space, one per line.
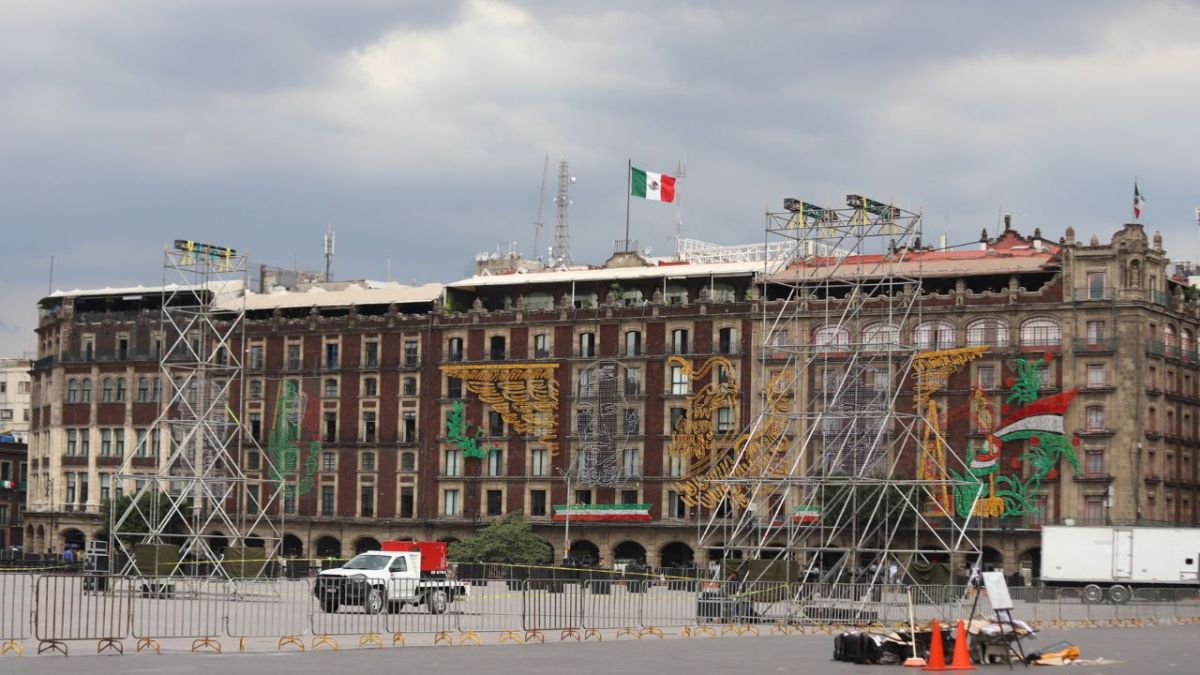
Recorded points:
827,475
561,253
191,503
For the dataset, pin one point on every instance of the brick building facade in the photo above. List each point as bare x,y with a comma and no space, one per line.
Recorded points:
372,358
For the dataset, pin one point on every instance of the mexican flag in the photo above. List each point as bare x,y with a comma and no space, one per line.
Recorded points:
657,187
603,512
7,484
806,514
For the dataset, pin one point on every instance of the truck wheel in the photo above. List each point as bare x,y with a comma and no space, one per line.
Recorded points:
330,605
1119,594
375,602
437,602
1092,594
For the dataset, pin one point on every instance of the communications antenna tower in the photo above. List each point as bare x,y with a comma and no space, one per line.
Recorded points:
561,253
826,478
190,497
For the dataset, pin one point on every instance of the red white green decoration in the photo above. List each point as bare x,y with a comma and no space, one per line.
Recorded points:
806,514
7,484
656,187
608,513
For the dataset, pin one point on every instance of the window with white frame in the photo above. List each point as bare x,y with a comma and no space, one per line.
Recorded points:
1095,418
1095,376
539,462
495,462
987,333
1040,332
450,502
934,335
453,462
881,337
679,381
831,339
631,463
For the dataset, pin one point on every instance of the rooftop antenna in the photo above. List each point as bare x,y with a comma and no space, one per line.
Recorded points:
537,224
562,233
329,253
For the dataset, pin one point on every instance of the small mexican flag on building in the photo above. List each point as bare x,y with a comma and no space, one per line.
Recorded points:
657,187
603,512
806,514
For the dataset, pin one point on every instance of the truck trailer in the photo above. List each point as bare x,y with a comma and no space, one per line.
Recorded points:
1108,562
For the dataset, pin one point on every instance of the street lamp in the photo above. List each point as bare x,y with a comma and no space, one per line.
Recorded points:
1107,498
567,517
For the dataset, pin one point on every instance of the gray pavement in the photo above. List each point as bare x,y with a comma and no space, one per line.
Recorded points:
1160,649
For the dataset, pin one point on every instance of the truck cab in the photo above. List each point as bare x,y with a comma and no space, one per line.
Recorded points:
386,581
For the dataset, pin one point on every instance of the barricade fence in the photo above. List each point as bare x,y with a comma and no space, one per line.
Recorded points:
58,608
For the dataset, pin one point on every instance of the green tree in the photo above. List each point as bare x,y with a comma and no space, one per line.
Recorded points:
136,526
508,540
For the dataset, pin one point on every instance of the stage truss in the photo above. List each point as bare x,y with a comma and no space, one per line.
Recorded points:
829,474
194,495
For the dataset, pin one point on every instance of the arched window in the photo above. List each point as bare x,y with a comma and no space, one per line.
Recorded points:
831,339
934,335
1040,332
86,394
106,391
72,390
1095,418
881,337
1169,335
987,333
1185,342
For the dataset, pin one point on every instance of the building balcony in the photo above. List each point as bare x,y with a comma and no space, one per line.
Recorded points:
1152,479
1094,345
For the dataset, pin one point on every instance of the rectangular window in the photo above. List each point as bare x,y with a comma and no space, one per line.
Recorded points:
675,506
629,497
71,494
72,443
142,449
327,502
583,496
1095,419
328,461
406,503
293,356
633,381
371,354
1095,285
539,464
679,381
370,387
118,442
332,356
410,386
451,506
366,501
583,421
83,487
330,435
408,461
256,357
986,377
105,487
541,346
537,503
1095,332
453,462
331,387
368,461
724,419
631,463
587,345
85,442
498,351
674,466
677,415
727,340
1093,463
409,429
1045,377
495,502
1095,375
679,341
454,349
368,426
453,388
495,424
412,356
633,422
495,463
256,390
253,460
1093,510
289,499
251,499
155,444
633,343
256,426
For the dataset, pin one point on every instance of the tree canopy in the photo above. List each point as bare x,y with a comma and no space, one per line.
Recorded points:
136,526
508,540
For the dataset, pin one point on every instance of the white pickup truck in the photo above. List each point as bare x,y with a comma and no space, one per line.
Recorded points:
386,581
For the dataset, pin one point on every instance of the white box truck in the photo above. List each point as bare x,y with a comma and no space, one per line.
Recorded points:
1109,561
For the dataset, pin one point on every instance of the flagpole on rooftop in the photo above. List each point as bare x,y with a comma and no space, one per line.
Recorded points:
628,189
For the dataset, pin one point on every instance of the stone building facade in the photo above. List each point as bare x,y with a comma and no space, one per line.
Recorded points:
376,364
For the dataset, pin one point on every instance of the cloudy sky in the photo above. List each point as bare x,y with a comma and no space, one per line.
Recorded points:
419,129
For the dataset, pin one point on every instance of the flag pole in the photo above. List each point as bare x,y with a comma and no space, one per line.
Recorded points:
628,188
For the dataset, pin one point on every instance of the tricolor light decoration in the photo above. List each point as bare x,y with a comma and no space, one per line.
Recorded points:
806,514
7,484
603,512
1044,415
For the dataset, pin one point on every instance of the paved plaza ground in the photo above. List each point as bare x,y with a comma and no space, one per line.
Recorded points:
1161,649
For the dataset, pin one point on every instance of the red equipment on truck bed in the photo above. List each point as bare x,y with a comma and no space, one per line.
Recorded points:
433,553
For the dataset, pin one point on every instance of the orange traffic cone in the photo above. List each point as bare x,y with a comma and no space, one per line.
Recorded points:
962,655
937,653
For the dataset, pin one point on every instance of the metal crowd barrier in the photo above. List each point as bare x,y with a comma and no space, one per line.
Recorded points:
16,602
88,607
